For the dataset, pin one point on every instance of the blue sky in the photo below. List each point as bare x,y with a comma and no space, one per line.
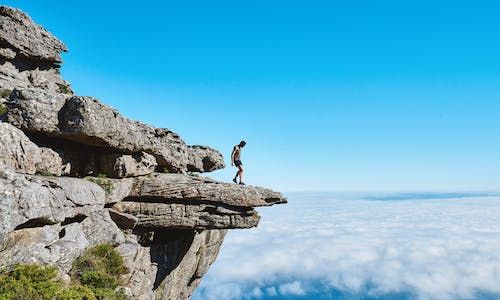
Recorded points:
330,95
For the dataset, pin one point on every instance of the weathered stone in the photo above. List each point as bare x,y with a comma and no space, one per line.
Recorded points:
20,154
48,245
29,55
99,228
13,76
182,216
119,189
26,38
34,201
204,159
7,53
186,189
172,265
121,166
58,244
17,151
123,220
50,162
86,120
35,110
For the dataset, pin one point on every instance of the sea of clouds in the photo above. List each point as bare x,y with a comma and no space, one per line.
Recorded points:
334,246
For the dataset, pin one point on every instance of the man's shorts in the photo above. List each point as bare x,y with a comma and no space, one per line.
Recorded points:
238,163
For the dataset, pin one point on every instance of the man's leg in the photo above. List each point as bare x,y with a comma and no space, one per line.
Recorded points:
236,177
240,172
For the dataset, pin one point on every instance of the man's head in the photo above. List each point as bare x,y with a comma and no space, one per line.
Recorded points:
242,144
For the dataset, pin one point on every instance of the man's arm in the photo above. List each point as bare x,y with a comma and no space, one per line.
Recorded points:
232,156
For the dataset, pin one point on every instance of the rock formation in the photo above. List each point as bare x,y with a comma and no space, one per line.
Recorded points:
76,173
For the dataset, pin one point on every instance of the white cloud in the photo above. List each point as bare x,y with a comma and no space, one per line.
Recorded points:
291,288
271,291
434,249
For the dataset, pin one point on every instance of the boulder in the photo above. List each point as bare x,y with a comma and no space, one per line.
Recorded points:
59,244
37,201
29,55
35,110
20,154
50,163
87,121
22,36
204,159
121,166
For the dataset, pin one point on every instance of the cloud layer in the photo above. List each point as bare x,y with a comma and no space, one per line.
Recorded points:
332,246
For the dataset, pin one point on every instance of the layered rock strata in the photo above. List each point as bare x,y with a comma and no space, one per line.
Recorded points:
76,173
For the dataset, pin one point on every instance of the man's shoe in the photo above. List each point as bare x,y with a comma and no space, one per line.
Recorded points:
241,183
234,180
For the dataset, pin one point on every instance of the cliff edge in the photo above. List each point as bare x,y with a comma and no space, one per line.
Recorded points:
75,173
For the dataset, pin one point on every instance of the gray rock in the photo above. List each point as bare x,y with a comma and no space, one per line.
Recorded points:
47,245
87,121
204,159
7,53
99,228
186,189
34,201
22,35
121,166
13,77
35,110
170,267
58,244
123,220
50,162
18,152
119,189
186,216
31,55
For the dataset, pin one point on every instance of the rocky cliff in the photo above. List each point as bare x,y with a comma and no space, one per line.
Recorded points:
75,173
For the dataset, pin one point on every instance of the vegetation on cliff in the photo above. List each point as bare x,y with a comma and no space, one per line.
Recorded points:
95,276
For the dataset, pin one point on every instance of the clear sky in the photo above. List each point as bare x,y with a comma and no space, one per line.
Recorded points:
330,95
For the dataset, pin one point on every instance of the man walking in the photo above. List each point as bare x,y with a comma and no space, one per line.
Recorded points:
236,161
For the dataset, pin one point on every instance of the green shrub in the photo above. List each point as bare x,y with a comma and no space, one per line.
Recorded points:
43,173
33,282
3,109
77,292
98,280
100,268
64,89
109,294
95,276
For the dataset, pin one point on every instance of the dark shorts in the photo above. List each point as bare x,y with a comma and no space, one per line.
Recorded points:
238,163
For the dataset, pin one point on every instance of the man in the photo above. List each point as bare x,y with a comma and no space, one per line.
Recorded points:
236,161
